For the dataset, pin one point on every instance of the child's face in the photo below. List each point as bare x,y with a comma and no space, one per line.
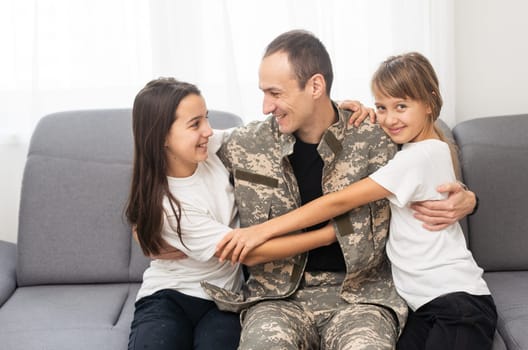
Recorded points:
404,120
186,142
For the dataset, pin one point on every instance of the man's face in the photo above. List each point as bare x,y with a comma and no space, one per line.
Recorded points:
291,106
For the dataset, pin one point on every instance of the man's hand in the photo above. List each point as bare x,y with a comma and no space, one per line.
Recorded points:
437,215
359,112
167,252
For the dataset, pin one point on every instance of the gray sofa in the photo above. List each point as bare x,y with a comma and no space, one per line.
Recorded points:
71,280
494,159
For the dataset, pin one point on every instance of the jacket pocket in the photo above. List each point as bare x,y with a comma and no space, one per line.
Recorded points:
254,193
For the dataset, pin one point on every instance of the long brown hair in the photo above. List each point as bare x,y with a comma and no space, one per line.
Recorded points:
412,76
153,113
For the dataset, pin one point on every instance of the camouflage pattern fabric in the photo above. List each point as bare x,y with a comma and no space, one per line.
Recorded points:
265,187
316,317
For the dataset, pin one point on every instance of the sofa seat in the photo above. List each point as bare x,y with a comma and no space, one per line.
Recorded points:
90,316
510,292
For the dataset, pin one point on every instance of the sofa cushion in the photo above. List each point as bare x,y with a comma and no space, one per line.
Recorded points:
76,180
72,227
494,154
509,290
73,223
56,317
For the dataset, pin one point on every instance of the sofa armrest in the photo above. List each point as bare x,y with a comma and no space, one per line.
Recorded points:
7,270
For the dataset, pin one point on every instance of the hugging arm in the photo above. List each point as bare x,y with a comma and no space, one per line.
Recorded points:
290,245
437,215
238,243
167,252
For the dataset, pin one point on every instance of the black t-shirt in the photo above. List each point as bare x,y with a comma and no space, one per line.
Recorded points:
308,169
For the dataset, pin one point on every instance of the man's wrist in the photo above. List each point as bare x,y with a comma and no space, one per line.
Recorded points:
475,208
463,185
465,188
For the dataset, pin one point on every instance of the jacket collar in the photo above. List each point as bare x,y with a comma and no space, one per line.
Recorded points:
331,142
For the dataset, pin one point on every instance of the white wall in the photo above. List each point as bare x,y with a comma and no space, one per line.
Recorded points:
12,159
491,65
491,58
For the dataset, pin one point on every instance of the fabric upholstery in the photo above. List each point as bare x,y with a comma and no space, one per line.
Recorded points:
74,190
494,154
95,316
510,292
494,157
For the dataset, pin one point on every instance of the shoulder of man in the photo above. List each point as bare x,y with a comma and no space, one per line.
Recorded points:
367,140
253,136
255,127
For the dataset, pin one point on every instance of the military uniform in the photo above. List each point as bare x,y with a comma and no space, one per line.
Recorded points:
266,187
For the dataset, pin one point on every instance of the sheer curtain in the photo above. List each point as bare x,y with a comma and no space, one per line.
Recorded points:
220,48
81,54
64,54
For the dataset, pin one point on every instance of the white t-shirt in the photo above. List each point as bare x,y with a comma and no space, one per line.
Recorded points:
208,213
425,264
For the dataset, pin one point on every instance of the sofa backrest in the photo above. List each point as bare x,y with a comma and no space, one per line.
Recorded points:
72,227
494,159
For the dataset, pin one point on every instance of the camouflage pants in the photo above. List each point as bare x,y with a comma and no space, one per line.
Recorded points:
315,317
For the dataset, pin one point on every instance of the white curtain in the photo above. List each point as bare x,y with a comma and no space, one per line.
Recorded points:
76,54
221,46
82,54
69,54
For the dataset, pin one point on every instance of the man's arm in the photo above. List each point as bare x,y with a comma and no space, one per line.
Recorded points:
167,252
437,215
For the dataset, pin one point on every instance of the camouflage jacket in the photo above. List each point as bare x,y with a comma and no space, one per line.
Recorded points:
265,187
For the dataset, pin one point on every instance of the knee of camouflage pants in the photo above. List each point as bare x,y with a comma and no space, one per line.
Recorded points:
360,327
278,324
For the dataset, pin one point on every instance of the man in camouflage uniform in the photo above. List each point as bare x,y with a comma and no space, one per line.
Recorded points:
339,296
333,297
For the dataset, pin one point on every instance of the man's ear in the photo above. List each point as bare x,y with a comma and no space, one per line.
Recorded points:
318,85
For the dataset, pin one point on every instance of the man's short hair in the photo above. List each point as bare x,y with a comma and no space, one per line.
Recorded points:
306,54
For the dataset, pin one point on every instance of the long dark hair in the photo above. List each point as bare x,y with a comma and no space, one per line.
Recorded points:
153,113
